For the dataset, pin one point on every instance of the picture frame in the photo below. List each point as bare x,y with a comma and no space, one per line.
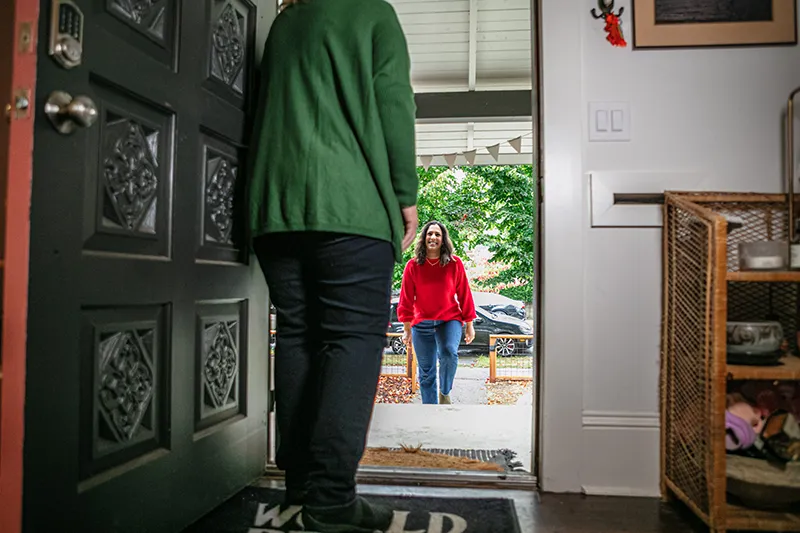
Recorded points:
709,23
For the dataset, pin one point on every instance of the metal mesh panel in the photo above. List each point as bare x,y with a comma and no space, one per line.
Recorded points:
395,357
762,221
765,301
513,358
687,340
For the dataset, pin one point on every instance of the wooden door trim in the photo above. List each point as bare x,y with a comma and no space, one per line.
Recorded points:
24,16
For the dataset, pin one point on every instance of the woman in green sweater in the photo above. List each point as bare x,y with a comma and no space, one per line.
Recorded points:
333,190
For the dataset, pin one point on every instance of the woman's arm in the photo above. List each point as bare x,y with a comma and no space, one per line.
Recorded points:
466,301
405,307
464,293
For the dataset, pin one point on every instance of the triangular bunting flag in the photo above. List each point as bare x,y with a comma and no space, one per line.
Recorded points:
426,161
494,151
516,144
471,156
451,159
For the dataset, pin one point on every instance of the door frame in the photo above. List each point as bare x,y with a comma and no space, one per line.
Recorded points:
18,22
467,479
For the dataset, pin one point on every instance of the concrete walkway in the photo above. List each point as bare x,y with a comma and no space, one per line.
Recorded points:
469,387
467,424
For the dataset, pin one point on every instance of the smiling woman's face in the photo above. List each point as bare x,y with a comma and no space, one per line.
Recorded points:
433,239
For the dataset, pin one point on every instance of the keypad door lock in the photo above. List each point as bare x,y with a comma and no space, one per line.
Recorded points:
66,33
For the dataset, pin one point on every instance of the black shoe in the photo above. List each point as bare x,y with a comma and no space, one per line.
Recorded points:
294,497
360,516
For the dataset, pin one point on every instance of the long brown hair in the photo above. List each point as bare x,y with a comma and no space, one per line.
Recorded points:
446,254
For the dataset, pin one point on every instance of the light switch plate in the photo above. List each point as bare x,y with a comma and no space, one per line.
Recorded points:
609,122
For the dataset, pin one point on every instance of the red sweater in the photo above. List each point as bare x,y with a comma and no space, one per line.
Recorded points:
433,292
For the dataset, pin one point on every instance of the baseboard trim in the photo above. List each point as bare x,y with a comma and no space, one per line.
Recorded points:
626,492
620,420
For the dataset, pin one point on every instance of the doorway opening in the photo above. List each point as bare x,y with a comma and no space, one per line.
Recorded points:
473,72
490,213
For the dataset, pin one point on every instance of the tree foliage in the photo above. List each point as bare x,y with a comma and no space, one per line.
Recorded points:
487,208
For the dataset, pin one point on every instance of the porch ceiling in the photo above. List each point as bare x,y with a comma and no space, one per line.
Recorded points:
469,45
458,45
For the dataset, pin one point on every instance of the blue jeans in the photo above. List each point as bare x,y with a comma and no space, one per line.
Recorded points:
436,340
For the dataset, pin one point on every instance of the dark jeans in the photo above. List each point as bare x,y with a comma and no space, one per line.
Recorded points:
332,295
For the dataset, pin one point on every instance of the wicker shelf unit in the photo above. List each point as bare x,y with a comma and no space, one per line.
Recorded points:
703,289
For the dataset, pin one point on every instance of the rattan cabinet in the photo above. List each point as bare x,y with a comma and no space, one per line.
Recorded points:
703,289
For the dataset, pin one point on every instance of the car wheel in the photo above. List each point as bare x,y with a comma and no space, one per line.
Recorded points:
398,346
504,347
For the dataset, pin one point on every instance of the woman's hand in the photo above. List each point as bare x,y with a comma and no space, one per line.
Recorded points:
406,333
469,335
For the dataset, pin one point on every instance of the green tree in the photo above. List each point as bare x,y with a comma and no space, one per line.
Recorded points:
493,206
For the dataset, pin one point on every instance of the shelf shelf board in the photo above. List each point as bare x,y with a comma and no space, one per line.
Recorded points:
765,276
789,370
742,518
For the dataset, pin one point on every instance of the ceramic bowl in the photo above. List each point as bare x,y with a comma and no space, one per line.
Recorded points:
763,255
754,337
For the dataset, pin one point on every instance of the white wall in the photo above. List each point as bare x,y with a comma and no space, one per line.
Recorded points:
716,111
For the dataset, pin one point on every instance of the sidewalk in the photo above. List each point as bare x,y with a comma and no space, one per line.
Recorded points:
469,387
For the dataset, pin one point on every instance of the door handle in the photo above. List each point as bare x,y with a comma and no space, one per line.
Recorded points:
68,114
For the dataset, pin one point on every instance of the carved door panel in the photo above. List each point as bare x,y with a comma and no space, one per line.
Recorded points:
147,350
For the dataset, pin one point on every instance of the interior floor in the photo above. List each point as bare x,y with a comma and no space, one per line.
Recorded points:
564,513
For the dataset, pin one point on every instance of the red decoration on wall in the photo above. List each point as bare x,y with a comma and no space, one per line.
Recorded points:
612,26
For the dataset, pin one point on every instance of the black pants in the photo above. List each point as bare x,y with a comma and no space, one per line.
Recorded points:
332,295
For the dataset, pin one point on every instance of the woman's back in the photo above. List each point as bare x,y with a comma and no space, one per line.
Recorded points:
334,139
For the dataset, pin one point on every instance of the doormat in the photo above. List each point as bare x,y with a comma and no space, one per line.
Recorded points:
505,457
257,510
418,458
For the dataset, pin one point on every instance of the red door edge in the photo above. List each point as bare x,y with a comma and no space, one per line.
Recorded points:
17,247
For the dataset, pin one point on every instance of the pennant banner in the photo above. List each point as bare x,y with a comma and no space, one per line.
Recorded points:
494,151
471,155
426,161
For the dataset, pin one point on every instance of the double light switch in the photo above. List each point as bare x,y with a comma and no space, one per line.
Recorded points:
609,121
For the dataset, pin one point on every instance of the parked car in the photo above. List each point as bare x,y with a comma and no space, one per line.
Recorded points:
499,304
486,324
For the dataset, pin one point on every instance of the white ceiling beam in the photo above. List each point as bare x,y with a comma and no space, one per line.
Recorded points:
473,44
473,106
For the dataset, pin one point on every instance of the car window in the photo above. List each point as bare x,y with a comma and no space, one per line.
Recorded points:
486,313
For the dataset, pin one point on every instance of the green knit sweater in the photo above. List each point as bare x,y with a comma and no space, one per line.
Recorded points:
333,145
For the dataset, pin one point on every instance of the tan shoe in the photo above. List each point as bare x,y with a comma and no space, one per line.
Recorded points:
444,399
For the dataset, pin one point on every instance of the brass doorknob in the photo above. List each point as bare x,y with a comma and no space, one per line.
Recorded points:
68,114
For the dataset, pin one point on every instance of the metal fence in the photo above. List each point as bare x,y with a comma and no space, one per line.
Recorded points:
399,360
511,358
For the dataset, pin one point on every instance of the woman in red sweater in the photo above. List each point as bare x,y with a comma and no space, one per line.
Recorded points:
435,301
